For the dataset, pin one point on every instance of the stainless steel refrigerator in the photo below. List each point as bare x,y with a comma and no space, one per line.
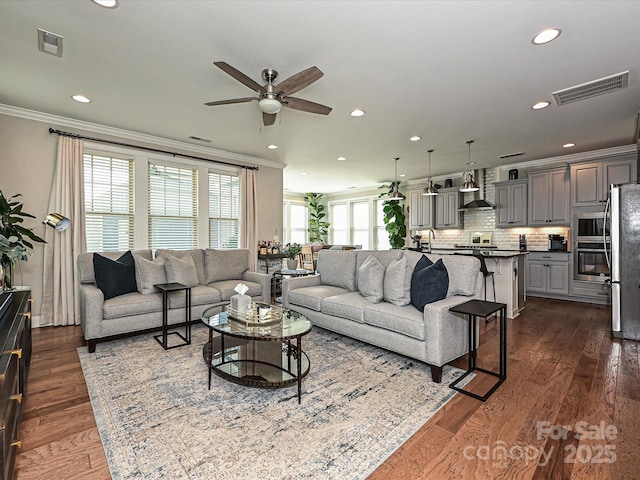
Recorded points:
623,210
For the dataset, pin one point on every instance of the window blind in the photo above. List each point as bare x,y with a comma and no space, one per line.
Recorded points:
173,207
108,192
224,210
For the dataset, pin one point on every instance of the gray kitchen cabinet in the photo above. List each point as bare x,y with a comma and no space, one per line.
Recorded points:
447,203
511,203
549,198
590,180
547,273
420,210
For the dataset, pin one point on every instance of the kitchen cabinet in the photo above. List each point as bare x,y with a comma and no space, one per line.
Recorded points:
547,273
447,203
511,203
421,211
549,198
590,180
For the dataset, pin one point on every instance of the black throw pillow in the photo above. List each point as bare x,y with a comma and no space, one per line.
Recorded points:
115,277
429,283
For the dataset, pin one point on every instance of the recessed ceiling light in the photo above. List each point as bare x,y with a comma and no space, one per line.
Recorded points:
402,175
469,163
568,145
304,173
415,138
106,3
357,112
341,159
81,98
540,105
272,147
546,35
351,187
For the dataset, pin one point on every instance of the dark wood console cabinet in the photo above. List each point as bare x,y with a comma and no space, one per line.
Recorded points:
15,357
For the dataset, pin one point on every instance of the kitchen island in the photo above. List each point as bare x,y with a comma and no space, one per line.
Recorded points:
508,273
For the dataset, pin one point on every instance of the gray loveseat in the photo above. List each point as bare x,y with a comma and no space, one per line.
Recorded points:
332,300
217,272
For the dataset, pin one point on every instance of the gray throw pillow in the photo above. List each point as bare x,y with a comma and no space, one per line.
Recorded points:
149,273
395,291
371,279
181,270
228,264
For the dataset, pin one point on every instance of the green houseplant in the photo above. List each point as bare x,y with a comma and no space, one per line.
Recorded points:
394,217
318,228
292,250
15,239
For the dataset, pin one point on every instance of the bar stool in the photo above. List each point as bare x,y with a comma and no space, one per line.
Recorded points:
486,273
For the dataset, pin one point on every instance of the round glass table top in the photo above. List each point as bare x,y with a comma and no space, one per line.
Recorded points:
279,324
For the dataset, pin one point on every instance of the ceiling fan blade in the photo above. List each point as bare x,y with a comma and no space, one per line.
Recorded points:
238,75
306,105
268,118
232,100
299,81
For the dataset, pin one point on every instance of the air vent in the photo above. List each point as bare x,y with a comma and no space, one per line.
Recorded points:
592,89
49,43
200,139
509,155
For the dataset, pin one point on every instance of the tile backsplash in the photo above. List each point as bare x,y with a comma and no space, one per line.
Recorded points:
485,221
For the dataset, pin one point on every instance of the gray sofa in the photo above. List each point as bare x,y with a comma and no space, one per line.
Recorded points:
218,272
332,300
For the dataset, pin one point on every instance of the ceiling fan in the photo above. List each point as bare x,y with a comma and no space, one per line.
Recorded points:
271,98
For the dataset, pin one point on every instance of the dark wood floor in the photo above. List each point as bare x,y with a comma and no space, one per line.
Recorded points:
566,377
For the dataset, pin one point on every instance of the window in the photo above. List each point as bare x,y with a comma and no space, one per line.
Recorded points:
224,210
298,223
382,236
339,223
108,193
173,211
360,224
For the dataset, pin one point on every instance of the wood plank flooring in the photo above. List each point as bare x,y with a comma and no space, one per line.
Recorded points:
564,369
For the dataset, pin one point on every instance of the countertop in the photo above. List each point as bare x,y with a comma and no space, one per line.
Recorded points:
493,252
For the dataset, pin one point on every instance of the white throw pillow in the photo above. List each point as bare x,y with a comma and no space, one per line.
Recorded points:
371,279
396,289
149,273
181,270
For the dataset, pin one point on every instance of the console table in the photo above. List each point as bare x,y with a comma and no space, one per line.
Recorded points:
15,358
484,309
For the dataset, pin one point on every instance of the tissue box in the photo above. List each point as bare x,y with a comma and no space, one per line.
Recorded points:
240,303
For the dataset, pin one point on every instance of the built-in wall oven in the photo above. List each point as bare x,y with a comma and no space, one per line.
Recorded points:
591,235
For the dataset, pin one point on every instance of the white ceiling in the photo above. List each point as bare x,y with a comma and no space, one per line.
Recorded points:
447,71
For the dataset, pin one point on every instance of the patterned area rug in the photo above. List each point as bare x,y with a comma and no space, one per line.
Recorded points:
157,419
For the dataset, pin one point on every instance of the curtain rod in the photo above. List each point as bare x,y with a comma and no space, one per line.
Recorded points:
149,149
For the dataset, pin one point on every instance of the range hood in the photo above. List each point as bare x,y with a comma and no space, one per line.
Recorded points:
478,202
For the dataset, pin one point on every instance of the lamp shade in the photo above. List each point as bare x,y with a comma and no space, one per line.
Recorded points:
57,222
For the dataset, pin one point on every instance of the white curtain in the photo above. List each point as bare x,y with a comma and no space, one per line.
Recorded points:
60,301
249,218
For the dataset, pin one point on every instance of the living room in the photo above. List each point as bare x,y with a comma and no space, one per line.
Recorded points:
399,101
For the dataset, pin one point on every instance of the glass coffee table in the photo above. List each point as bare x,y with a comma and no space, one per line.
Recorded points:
258,352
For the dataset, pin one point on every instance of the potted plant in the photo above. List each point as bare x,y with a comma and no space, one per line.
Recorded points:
15,239
318,228
292,250
394,217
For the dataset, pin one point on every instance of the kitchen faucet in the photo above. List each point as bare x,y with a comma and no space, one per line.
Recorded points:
431,232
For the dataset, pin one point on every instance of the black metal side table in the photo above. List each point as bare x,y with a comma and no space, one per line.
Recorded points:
162,339
276,281
481,308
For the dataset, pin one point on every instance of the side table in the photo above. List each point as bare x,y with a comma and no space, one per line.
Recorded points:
277,280
167,288
481,308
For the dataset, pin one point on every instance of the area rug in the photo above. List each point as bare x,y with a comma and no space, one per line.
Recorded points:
158,420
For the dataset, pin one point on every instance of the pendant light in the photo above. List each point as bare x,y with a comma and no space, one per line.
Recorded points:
395,193
430,190
469,185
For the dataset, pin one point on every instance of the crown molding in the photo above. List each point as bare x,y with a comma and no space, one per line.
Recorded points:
623,150
136,136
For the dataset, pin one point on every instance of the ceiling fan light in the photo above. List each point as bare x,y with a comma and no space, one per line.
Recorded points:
269,105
